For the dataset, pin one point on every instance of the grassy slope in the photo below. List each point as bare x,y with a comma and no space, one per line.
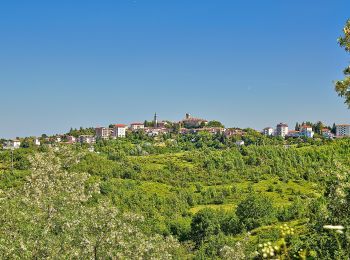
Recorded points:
281,194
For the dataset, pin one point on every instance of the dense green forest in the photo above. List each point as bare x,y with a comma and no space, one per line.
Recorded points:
195,196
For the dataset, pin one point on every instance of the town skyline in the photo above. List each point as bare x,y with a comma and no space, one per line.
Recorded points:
150,119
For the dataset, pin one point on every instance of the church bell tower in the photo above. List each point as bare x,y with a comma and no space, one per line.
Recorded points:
155,120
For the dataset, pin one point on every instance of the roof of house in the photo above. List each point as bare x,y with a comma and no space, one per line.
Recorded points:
292,131
136,123
282,124
343,125
120,125
193,119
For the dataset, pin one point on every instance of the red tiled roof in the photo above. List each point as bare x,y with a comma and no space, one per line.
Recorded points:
194,119
120,125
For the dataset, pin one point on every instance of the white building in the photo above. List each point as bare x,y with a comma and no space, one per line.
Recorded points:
137,126
37,142
326,133
87,139
268,131
282,129
293,133
306,131
151,131
13,144
343,130
71,139
240,143
191,122
102,132
119,130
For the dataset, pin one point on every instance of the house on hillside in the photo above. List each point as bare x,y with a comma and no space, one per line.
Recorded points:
102,132
87,139
191,122
282,129
306,131
71,139
212,130
342,130
268,131
240,143
37,142
119,131
233,132
326,133
151,131
293,133
137,126
12,144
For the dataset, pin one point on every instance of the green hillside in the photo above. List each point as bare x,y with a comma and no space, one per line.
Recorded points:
213,201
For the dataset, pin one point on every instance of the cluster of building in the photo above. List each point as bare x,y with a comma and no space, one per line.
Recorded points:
283,131
119,130
342,130
12,144
188,125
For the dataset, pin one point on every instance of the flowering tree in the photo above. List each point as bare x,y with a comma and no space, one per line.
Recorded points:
342,87
52,216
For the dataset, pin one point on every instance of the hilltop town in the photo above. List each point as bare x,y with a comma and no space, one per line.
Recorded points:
188,125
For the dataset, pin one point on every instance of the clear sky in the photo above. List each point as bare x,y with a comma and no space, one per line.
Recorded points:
251,63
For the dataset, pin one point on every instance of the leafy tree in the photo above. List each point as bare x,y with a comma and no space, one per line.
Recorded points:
255,211
204,224
334,129
215,123
52,216
318,127
342,87
81,131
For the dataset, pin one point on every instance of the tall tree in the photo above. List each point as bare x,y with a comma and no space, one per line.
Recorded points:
342,87
334,129
297,127
318,127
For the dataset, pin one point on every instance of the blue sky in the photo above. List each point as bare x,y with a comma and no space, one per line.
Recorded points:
246,63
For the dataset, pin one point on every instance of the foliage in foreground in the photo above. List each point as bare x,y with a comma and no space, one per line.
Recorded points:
342,87
54,215
207,203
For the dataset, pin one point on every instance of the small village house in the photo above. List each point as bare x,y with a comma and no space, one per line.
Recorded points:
119,131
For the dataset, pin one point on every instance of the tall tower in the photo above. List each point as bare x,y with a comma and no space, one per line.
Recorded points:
155,120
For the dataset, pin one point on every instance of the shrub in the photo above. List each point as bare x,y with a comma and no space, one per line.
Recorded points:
204,224
255,210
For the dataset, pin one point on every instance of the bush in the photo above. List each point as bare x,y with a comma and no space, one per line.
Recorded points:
204,224
255,210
